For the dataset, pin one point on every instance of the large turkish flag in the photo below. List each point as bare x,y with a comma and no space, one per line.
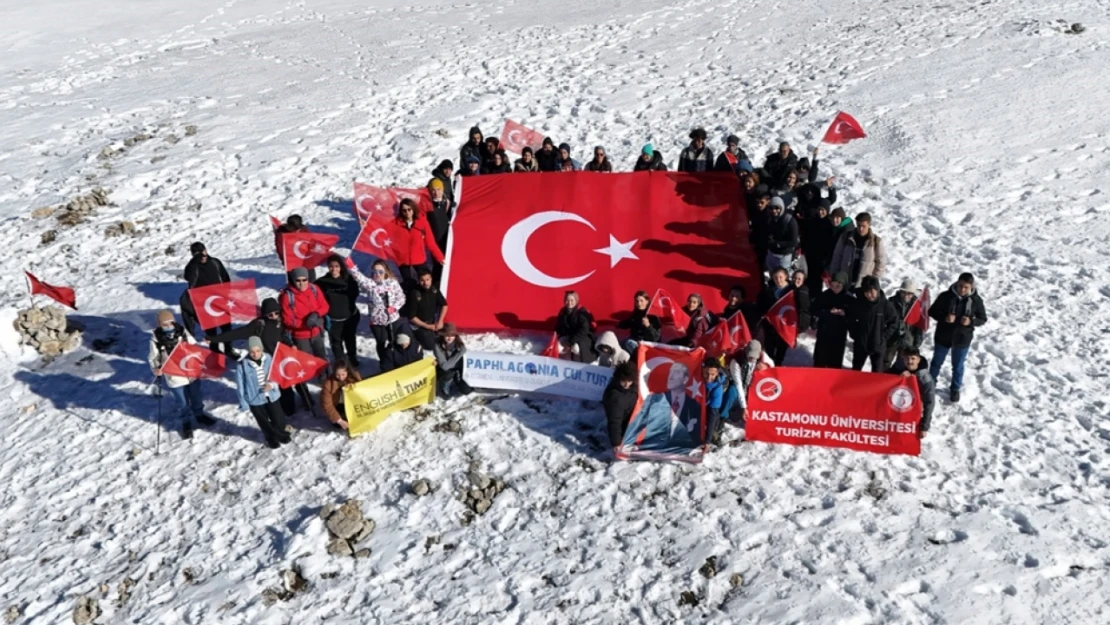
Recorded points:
518,242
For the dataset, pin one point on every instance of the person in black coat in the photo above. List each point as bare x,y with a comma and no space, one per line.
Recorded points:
737,304
830,312
547,157
619,400
801,300
773,344
574,329
818,242
426,309
782,236
731,157
402,351
874,323
650,160
778,163
203,270
474,147
443,173
957,311
640,325
912,363
439,220
697,157
759,219
341,290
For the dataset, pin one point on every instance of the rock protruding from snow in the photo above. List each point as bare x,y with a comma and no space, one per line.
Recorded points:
292,582
420,487
12,614
47,330
479,492
79,209
347,527
86,611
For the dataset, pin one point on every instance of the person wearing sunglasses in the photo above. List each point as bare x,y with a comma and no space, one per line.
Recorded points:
303,310
600,162
386,298
411,237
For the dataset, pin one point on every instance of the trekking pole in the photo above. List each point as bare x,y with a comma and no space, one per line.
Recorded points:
158,431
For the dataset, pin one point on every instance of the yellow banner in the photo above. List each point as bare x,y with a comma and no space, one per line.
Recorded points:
372,400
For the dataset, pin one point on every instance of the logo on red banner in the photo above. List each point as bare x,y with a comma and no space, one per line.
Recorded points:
871,412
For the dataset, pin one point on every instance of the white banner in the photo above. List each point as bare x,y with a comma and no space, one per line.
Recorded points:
536,374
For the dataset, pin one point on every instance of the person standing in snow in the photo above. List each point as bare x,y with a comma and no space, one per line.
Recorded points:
425,308
341,292
907,336
818,243
526,163
650,160
564,162
716,385
801,299
203,270
619,400
411,237
444,173
599,162
759,223
779,286
574,329
782,236
303,309
640,325
701,321
957,311
609,352
873,324
831,309
332,394
439,220
548,156
859,253
260,396
450,356
294,224
697,157
912,363
474,147
386,298
499,163
185,391
778,163
729,160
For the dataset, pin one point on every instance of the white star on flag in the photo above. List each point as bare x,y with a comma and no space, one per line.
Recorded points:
618,251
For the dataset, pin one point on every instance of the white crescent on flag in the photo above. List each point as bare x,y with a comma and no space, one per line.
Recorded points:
514,249
374,242
782,314
297,250
208,306
284,363
184,364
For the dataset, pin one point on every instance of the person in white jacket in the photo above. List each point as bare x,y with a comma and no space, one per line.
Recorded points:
609,351
386,298
185,391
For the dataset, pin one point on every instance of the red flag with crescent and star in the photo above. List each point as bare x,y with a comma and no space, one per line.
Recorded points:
61,294
515,137
194,362
783,317
727,336
378,237
220,304
520,242
371,200
844,128
291,366
918,314
668,309
305,249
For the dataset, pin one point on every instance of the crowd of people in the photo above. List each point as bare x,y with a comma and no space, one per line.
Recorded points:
833,264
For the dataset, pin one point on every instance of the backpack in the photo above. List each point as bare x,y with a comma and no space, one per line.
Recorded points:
292,301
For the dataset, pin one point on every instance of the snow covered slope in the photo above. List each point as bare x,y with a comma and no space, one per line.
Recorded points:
989,151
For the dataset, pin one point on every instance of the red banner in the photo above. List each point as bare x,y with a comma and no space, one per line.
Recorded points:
291,366
61,294
305,249
669,420
520,241
515,137
873,412
194,361
220,304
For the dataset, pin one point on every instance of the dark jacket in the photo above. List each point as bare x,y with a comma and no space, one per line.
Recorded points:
396,357
802,307
341,293
724,164
926,385
776,166
768,297
950,303
701,322
695,161
439,220
748,309
818,242
548,160
830,326
655,164
636,330
423,304
448,189
575,325
873,324
604,166
906,336
782,234
469,149
520,167
271,331
205,274
618,403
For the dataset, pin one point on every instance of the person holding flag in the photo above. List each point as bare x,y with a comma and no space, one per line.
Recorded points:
769,298
910,333
386,299
203,270
259,396
303,309
186,391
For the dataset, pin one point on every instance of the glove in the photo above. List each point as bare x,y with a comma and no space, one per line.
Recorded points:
313,321
391,310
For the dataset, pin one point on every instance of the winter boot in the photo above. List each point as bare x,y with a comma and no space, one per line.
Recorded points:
954,395
187,430
205,420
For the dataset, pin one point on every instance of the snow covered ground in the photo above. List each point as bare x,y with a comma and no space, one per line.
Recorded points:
989,151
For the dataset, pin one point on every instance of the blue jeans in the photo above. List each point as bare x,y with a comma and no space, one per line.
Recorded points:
188,400
732,399
959,355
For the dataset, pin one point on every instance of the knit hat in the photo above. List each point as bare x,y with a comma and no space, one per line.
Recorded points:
270,305
565,146
745,165
776,202
300,273
435,183
165,316
403,339
473,159
254,342
841,278
909,286
755,348
649,149
448,330
446,164
196,248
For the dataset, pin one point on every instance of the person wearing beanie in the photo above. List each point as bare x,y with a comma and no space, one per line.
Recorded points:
186,392
564,162
619,400
202,270
472,166
830,312
957,311
730,159
782,236
450,356
438,217
778,163
526,163
303,311
341,291
697,157
404,351
859,253
444,173
905,298
600,162
745,362
258,395
547,158
872,323
649,160
474,147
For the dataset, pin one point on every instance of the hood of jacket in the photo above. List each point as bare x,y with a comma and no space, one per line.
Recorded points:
609,339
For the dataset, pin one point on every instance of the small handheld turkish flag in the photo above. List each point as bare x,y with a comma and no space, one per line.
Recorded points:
219,304
552,349
666,308
843,129
194,361
738,331
291,366
717,341
305,249
420,196
377,237
275,222
783,317
918,314
370,200
61,294
515,137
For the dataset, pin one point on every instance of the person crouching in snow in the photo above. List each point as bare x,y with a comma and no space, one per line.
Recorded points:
715,386
404,351
331,396
912,363
574,328
609,352
701,320
450,356
740,371
260,396
619,400
185,391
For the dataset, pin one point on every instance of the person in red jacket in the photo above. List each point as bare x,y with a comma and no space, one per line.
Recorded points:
413,236
303,309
